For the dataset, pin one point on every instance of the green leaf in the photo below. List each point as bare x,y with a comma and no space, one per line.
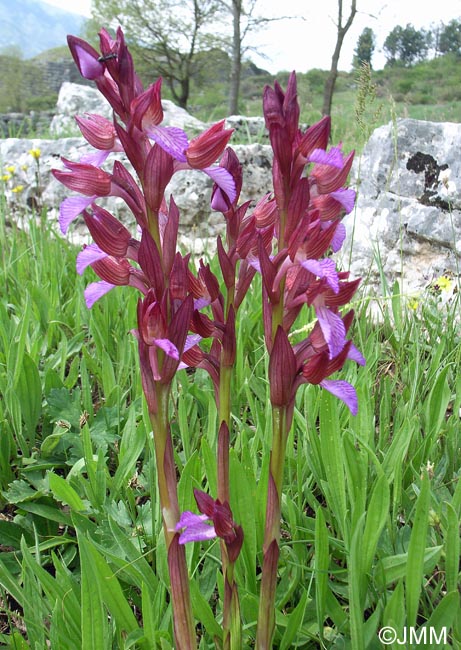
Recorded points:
437,403
203,612
94,618
393,567
243,496
332,457
29,391
416,550
322,560
62,491
452,549
109,586
131,446
294,622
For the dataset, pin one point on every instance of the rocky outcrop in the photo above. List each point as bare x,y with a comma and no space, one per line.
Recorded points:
407,220
74,99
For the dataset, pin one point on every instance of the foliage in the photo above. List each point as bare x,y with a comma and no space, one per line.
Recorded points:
450,38
22,85
166,35
369,516
406,45
365,48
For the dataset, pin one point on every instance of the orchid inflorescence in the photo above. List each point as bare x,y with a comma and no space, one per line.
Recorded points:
287,237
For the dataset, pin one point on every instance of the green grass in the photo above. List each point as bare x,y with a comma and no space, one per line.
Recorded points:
372,504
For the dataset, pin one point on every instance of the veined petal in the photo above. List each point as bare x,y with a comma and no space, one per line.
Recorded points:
356,355
333,157
88,256
168,347
338,238
344,391
96,290
70,209
195,528
346,197
325,268
171,139
223,180
95,158
333,330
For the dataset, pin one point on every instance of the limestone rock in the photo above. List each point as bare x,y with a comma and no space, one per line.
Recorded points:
408,213
75,99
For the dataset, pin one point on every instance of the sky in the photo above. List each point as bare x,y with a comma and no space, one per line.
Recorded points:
307,40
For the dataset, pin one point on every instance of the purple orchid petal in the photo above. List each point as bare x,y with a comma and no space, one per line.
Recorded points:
356,355
96,158
189,518
346,197
90,67
201,303
168,347
333,157
344,391
333,330
338,238
70,209
171,139
95,291
195,528
87,256
191,340
326,269
223,180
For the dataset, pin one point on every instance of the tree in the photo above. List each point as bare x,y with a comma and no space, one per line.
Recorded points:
244,22
341,30
450,38
407,45
365,48
166,35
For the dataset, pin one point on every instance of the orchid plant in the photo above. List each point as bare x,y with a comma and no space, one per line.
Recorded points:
287,237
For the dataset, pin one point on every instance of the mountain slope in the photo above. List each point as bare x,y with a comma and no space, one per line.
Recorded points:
34,26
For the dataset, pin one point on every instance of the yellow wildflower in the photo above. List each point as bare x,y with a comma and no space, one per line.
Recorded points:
10,169
17,189
35,153
443,283
6,177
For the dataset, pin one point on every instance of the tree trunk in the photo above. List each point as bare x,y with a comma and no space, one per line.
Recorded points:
236,61
341,33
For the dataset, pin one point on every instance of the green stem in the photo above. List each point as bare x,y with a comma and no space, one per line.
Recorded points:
266,617
184,629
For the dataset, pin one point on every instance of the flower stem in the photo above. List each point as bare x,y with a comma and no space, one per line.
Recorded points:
266,617
184,630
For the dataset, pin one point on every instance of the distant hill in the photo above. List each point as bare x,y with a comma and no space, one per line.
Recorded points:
34,26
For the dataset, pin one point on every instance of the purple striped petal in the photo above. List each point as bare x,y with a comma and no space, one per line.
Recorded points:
171,139
333,330
326,269
96,158
195,528
96,290
223,180
70,209
344,391
87,256
338,238
356,355
346,197
168,347
333,157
